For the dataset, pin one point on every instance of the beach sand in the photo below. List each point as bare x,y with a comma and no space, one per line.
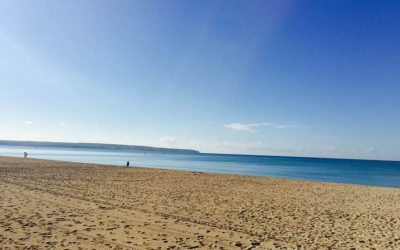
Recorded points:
60,205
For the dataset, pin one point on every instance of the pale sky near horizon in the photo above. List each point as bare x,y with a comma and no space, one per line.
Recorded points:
302,78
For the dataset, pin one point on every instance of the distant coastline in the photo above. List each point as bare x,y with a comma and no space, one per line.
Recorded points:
95,146
139,148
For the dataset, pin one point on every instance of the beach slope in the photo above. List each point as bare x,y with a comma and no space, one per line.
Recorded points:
61,205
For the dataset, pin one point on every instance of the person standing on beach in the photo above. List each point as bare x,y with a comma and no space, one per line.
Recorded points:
127,163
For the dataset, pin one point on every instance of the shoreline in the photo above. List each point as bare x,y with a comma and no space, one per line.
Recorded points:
205,172
70,205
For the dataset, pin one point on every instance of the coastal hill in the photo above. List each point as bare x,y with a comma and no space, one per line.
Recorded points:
95,146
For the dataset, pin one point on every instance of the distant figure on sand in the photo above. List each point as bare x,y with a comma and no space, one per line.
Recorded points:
127,163
25,155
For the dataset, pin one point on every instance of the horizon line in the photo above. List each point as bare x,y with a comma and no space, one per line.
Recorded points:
194,150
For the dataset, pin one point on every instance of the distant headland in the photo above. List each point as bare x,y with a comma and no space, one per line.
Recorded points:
95,146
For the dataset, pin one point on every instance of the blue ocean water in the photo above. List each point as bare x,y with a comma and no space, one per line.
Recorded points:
364,172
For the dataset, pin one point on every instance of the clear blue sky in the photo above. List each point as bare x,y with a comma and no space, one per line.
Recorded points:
312,78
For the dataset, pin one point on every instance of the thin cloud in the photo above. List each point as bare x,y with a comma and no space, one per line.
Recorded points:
167,141
63,124
29,122
249,127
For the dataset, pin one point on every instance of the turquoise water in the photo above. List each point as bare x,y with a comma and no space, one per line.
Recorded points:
364,172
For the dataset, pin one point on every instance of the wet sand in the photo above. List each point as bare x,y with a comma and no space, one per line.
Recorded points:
61,205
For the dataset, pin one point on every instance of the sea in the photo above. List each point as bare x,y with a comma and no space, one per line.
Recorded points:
361,172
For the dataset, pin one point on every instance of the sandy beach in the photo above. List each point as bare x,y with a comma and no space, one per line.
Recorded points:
60,205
